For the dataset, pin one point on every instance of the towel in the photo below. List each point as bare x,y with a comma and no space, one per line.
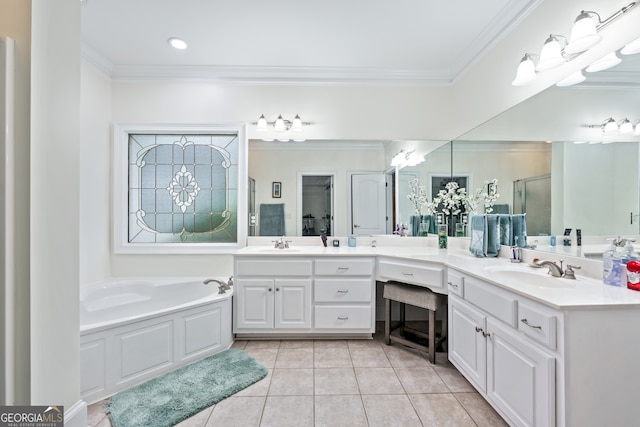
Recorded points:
492,236
272,219
504,223
478,241
501,209
518,229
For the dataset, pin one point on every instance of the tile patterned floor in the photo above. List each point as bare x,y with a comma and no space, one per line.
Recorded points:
350,383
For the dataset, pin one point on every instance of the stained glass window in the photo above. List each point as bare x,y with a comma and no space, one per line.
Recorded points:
183,188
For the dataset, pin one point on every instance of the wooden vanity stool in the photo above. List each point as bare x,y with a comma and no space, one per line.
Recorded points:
420,297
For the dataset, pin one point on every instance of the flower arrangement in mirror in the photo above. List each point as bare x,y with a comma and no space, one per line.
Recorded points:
418,196
452,198
487,198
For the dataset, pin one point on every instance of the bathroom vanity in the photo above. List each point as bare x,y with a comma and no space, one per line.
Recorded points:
542,351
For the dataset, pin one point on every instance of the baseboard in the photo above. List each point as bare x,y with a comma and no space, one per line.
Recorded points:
76,415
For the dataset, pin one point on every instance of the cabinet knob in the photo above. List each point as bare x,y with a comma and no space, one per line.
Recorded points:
270,289
478,329
277,289
486,334
452,285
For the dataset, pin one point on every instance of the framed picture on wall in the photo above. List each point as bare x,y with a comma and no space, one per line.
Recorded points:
276,189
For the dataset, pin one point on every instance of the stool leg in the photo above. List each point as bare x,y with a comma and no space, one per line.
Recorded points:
387,321
402,318
432,337
445,332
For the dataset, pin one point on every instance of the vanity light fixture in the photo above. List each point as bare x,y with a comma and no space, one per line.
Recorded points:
406,158
631,48
177,43
281,126
604,63
611,127
526,71
557,50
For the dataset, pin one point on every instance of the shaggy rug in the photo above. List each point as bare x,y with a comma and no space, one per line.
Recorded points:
179,394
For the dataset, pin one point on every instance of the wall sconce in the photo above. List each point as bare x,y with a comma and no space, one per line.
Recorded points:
406,158
557,50
621,127
281,126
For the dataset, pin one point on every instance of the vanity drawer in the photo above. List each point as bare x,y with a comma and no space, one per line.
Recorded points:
500,305
344,267
342,290
537,324
412,272
342,317
455,283
271,267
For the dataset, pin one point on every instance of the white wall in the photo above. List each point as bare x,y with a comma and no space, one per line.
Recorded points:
54,202
15,22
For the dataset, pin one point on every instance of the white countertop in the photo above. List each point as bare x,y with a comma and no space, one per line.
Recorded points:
559,293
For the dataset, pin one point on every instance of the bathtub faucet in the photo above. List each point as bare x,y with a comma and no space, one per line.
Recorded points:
222,286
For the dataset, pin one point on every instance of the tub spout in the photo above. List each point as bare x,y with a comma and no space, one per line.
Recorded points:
224,285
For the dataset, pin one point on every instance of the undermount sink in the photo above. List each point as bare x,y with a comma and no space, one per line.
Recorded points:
279,251
532,276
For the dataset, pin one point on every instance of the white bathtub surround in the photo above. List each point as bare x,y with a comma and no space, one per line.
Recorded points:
132,330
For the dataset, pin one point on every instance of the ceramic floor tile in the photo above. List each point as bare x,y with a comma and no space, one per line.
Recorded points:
241,344
237,412
378,381
288,411
260,388
330,344
295,358
390,411
296,344
339,411
197,420
453,379
403,357
266,356
369,357
332,357
263,344
363,343
105,422
481,412
421,380
440,410
335,381
291,382
96,413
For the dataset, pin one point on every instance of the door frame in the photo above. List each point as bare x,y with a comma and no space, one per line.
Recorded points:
300,174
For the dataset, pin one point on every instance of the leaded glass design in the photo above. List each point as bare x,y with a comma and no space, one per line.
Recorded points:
183,188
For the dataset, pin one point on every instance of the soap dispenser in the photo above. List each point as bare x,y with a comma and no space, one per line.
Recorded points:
607,260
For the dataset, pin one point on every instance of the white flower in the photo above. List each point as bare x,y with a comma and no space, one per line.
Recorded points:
452,198
487,198
419,198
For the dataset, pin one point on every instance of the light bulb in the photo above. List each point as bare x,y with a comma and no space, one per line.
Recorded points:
626,128
177,43
551,54
610,127
584,34
296,126
262,124
279,125
526,73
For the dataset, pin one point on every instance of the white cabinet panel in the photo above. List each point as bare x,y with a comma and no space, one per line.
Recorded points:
344,267
520,377
343,317
292,303
415,273
254,303
345,290
467,345
500,305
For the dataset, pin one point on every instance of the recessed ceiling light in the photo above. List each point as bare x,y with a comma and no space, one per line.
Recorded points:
177,43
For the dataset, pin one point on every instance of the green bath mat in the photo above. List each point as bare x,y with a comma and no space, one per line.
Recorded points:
177,395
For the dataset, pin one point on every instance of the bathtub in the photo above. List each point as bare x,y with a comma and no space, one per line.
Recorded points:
135,329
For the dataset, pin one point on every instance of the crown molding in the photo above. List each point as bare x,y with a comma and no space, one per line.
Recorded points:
333,145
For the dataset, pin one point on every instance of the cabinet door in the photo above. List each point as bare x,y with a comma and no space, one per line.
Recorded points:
254,303
293,303
467,344
520,377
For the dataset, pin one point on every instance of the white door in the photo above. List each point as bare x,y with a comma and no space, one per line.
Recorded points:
520,378
368,204
254,309
292,303
467,344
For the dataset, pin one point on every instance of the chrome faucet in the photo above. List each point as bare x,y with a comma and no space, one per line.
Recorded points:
554,269
222,286
281,244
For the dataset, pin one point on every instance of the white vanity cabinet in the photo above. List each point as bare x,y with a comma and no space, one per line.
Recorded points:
312,295
272,294
344,291
420,273
491,343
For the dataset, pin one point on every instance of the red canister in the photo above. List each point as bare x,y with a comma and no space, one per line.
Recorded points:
633,275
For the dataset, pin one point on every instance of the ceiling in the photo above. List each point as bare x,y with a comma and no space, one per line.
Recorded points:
285,41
